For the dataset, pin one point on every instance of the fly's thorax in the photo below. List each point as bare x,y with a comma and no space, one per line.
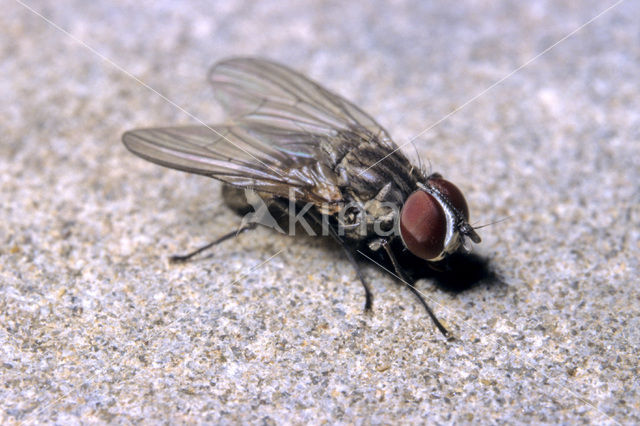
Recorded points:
374,216
382,217
368,167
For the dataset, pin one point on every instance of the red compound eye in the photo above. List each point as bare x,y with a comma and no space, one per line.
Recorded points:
453,194
423,225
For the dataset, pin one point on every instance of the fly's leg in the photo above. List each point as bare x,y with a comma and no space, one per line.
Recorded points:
408,283
185,257
368,302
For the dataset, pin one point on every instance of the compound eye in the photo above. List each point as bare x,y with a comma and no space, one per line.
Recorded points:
453,194
423,225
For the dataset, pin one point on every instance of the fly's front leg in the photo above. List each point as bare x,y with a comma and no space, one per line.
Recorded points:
185,257
410,283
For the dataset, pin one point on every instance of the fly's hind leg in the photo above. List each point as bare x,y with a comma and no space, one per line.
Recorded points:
185,257
236,199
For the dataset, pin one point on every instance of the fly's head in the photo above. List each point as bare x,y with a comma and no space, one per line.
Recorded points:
434,220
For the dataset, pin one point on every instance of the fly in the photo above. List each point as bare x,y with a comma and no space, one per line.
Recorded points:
309,154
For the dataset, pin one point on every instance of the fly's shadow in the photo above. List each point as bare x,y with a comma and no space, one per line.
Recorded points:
462,271
459,272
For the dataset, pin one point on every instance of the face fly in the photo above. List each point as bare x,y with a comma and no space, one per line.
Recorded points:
296,156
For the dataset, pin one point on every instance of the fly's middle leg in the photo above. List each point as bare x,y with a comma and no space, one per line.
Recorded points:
368,302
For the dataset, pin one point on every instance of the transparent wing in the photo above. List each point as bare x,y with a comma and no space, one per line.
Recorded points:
238,155
288,133
258,90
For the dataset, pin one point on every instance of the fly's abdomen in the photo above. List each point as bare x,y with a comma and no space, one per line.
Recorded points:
236,199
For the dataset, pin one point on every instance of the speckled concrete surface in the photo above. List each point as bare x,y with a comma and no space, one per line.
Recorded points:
98,326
